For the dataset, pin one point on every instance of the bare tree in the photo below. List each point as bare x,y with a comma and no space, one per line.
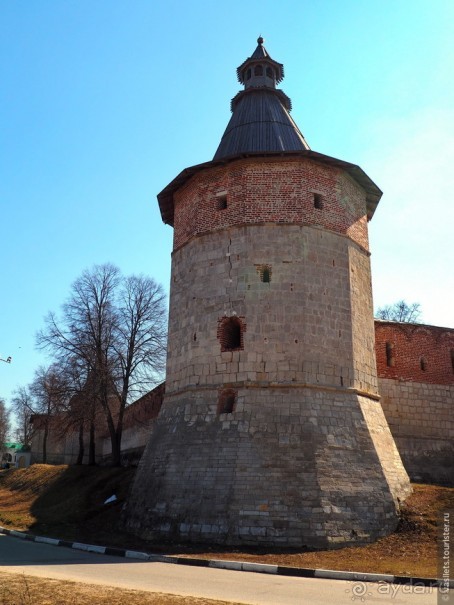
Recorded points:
117,327
84,335
400,311
23,409
140,343
4,422
82,408
50,393
73,419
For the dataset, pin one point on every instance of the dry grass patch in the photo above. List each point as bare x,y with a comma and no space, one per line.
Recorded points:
67,502
63,501
18,589
20,488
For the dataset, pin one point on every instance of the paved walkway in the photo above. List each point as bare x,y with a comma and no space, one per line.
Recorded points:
20,556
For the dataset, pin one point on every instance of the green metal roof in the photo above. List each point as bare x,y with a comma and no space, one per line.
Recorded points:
13,446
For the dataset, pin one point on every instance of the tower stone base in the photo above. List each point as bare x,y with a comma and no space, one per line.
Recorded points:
292,467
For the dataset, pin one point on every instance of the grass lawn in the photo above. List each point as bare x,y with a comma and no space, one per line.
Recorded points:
68,502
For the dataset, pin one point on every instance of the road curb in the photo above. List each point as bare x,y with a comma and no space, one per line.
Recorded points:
280,570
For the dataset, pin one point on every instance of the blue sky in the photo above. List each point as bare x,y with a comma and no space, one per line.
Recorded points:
103,103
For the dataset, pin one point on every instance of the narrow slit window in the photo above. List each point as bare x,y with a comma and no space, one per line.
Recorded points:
423,364
264,272
389,354
266,276
452,360
318,201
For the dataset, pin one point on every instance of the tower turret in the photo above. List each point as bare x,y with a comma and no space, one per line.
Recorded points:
271,430
261,120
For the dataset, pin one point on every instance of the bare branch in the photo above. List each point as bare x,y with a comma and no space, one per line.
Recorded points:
4,422
400,311
114,328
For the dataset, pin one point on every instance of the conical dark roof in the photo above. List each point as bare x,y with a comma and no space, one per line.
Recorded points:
261,126
261,121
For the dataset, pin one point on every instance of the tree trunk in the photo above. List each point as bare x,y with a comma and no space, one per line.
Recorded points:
116,450
46,433
115,433
91,446
25,439
80,455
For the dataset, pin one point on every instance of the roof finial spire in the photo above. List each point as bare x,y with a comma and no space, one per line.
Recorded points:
260,40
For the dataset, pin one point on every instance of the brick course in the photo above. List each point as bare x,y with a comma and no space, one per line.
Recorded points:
270,190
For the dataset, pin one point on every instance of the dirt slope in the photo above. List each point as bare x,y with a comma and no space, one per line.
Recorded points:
68,502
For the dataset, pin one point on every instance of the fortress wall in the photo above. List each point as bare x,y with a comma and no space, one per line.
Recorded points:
295,462
61,449
415,352
363,336
421,419
133,437
297,327
290,467
415,365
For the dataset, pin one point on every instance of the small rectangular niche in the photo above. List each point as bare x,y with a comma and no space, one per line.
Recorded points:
318,201
390,354
221,200
264,272
227,401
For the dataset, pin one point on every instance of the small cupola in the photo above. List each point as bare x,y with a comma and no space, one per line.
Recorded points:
260,69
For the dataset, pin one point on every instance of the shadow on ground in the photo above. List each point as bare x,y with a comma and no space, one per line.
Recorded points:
68,502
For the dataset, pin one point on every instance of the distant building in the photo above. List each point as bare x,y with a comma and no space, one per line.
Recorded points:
15,455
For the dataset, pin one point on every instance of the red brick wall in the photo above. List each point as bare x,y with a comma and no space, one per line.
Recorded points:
409,344
270,190
144,409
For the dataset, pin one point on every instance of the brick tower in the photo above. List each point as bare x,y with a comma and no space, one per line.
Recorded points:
271,431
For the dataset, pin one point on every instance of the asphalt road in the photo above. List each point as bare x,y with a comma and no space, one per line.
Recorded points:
30,558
